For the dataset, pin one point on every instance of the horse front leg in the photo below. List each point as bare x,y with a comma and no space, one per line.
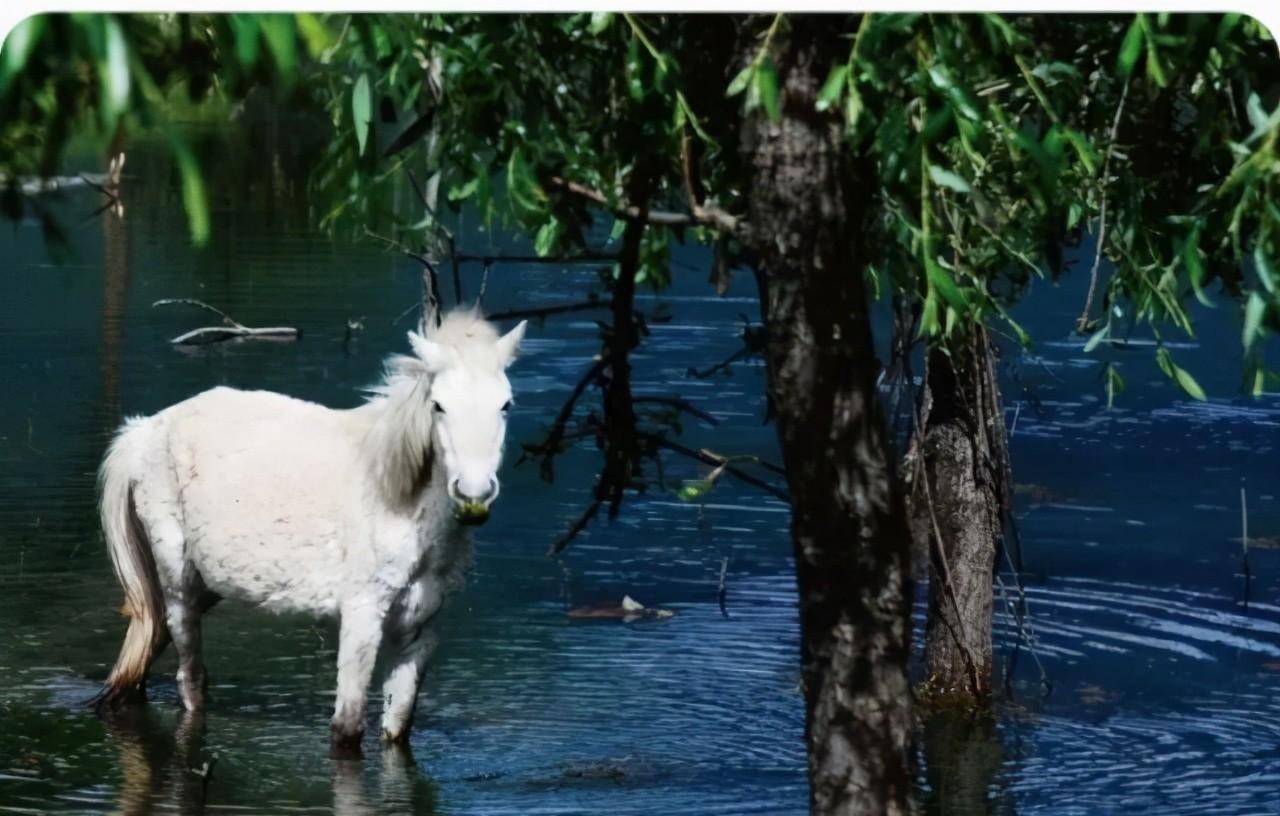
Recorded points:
400,690
359,635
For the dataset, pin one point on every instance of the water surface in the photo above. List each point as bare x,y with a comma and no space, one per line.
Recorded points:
1164,683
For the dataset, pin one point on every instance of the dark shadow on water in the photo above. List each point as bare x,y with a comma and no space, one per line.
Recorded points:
962,757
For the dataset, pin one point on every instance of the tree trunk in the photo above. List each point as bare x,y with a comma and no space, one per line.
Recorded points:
807,211
959,510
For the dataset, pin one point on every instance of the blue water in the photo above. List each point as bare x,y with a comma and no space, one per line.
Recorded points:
1164,684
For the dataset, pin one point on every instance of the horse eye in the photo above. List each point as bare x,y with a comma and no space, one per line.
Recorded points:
506,407
435,406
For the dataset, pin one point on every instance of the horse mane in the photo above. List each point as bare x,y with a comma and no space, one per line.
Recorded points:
398,444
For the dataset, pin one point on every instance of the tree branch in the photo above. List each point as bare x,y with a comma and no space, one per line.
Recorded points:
1082,322
702,216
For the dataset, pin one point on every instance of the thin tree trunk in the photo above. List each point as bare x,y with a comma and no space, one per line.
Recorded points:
959,510
806,210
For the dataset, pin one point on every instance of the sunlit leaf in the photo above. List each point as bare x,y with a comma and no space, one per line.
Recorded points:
245,27
1255,309
18,46
282,42
831,90
946,178
766,82
741,81
600,20
1097,338
115,78
314,33
1131,48
1262,265
362,109
941,281
194,198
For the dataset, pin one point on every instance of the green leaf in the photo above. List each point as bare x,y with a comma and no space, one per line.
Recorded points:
1266,276
1131,48
852,106
741,81
695,489
464,191
314,33
1195,268
600,20
1098,337
829,95
946,178
18,46
194,198
547,237
1257,115
245,28
1188,384
766,82
1114,383
1179,375
362,109
282,42
941,281
115,76
1255,309
929,315
1155,71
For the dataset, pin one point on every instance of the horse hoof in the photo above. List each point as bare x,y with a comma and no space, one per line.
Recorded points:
344,745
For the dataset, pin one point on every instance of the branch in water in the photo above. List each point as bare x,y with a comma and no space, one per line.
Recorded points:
231,331
578,526
552,445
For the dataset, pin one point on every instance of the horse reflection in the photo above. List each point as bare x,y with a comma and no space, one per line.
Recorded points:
159,767
166,769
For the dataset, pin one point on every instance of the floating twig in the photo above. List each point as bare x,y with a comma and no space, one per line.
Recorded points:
231,330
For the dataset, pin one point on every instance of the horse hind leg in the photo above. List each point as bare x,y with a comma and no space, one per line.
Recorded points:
186,600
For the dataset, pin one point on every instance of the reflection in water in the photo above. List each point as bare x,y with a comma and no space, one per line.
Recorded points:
962,758
166,768
160,767
115,259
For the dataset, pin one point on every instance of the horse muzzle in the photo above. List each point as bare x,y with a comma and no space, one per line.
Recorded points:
472,514
472,510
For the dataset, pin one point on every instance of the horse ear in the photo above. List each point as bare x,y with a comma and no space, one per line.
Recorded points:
509,343
436,356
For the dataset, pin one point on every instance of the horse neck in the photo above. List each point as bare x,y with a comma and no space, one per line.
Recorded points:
398,446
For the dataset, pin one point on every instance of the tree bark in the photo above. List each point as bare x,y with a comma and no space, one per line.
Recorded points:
807,210
959,511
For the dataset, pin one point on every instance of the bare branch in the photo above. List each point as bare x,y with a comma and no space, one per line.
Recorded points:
578,526
714,460
548,311
1082,322
708,216
680,405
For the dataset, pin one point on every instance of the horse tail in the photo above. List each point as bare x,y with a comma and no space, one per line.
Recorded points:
135,568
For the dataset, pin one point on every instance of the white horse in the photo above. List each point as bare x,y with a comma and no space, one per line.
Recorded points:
293,506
